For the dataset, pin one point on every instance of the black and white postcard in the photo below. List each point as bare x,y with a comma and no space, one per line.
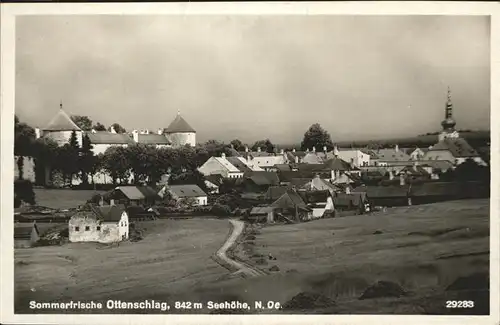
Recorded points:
211,163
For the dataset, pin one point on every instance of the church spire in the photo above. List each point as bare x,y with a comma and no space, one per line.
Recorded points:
449,106
448,123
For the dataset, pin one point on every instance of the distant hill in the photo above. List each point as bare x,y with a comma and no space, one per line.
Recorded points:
475,138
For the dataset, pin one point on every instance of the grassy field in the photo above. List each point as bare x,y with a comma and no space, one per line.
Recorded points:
422,248
62,198
173,257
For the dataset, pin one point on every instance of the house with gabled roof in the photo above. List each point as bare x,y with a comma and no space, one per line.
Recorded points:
102,140
213,183
145,137
220,166
28,234
259,181
180,133
185,192
320,203
103,224
134,195
386,157
60,128
454,150
292,205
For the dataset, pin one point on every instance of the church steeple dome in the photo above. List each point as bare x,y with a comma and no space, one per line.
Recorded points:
448,123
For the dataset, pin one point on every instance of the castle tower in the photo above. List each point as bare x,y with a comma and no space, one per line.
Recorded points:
448,123
180,133
60,128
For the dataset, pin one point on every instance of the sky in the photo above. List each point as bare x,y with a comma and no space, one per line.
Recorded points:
255,77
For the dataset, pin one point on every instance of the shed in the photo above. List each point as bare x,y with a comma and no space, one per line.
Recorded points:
262,214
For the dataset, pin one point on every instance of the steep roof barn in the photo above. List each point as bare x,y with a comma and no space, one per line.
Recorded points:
186,190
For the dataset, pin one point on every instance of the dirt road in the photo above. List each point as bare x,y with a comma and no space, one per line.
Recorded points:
242,267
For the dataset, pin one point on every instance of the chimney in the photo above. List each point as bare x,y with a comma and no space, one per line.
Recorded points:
258,149
314,149
37,133
135,135
391,175
93,131
396,148
337,174
112,129
324,149
246,149
293,150
307,150
160,131
223,155
347,190
111,202
296,159
336,151
282,151
401,180
101,201
430,147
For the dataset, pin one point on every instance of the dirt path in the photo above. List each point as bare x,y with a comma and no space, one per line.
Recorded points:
242,267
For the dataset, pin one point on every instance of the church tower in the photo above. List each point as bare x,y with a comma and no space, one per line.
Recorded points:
180,133
448,123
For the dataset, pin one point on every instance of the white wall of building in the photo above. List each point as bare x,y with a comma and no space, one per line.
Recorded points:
181,139
62,137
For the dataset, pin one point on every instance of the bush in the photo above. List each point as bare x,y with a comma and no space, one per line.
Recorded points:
23,192
221,210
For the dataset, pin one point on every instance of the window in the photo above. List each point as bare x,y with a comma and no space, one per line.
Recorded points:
77,228
98,228
87,228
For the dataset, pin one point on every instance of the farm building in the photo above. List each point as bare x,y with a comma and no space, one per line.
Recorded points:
275,192
258,182
394,195
185,192
134,195
353,201
103,224
213,183
320,202
292,205
262,214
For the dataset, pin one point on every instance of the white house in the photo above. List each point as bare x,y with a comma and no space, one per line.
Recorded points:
220,166
103,224
102,140
355,157
454,150
158,139
185,191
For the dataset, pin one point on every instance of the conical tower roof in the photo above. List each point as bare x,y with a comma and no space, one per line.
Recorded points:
61,122
179,125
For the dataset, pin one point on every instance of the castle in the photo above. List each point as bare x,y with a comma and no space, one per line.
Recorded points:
178,133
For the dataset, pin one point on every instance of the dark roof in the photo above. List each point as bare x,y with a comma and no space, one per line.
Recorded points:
187,190
287,176
392,155
312,167
338,164
215,179
285,167
435,189
110,213
275,192
312,197
153,139
137,192
179,125
353,199
22,231
415,171
104,137
261,210
290,199
458,147
239,164
61,122
299,182
383,191
263,177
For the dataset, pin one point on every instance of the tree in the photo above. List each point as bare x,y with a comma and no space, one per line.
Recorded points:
118,128
87,160
316,137
83,122
45,152
116,162
189,177
265,145
469,170
216,148
99,127
237,145
24,137
23,192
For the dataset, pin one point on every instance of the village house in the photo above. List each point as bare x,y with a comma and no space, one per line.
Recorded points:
188,192
265,214
295,156
416,153
133,195
220,166
258,182
103,224
291,206
320,202
265,161
213,183
356,202
315,157
387,157
355,157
